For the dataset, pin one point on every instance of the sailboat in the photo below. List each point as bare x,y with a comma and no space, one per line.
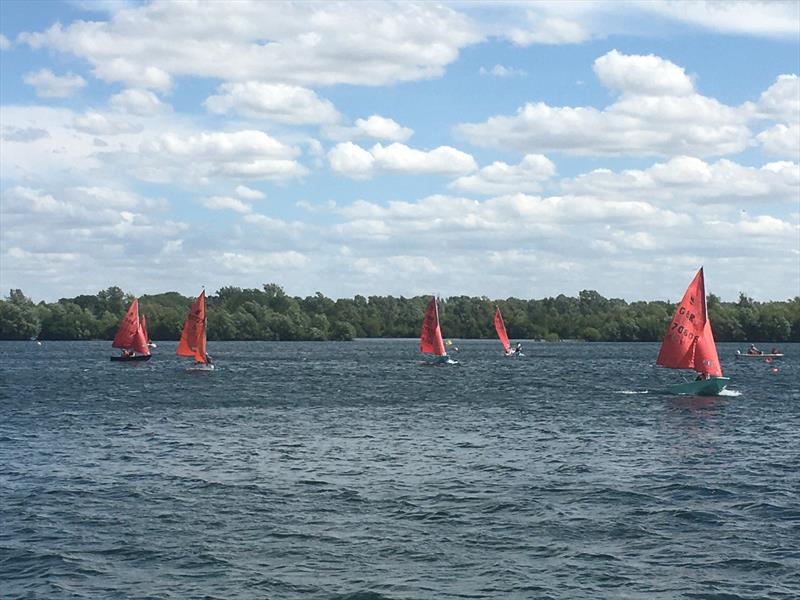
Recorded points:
193,337
500,328
150,343
430,339
130,337
689,344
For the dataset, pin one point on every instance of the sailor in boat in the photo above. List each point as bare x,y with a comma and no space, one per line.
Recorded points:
702,377
518,349
208,360
775,351
127,353
753,350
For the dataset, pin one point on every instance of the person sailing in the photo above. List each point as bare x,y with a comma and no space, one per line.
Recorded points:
518,349
753,350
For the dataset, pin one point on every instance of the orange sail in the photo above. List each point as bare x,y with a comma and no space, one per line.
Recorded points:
431,338
689,342
127,336
500,327
143,321
140,340
193,337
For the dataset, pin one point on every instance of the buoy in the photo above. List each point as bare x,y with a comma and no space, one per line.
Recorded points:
774,369
768,361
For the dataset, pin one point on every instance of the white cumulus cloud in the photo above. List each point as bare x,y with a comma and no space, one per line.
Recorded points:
781,140
658,113
137,102
501,178
248,193
307,44
50,85
354,161
226,203
278,102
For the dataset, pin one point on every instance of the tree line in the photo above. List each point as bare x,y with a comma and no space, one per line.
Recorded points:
270,314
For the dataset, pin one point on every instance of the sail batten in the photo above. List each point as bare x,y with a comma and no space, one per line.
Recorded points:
431,337
500,328
689,342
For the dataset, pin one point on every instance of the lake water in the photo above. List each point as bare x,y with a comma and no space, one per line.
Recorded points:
349,471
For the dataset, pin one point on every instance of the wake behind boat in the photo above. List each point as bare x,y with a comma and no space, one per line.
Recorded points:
430,339
689,344
131,337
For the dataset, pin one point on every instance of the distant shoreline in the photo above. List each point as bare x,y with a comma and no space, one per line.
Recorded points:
269,314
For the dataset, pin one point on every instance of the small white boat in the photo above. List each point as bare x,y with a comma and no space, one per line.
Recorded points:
759,355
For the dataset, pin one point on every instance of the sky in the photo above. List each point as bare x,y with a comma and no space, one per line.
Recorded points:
486,149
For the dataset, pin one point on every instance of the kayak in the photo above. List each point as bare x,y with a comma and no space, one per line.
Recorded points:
762,355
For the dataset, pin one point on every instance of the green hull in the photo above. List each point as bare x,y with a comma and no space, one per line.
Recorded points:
705,387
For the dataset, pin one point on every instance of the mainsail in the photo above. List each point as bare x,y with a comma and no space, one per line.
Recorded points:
129,333
431,338
193,337
689,342
500,327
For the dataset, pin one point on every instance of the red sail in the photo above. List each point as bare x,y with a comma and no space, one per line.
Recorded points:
705,354
193,338
500,327
126,332
143,321
689,343
140,340
431,338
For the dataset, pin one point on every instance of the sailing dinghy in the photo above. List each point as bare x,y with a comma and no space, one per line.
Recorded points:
193,337
500,328
689,344
131,337
430,340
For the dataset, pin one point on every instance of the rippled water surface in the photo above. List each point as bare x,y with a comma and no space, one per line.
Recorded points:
326,470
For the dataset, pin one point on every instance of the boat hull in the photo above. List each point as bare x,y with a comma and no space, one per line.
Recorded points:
765,355
200,368
704,387
137,358
440,360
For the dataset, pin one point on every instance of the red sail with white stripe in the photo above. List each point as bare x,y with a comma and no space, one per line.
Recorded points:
689,342
500,328
431,338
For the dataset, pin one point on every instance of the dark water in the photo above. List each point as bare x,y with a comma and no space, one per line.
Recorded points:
333,471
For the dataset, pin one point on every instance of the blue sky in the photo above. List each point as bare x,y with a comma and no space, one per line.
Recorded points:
497,149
